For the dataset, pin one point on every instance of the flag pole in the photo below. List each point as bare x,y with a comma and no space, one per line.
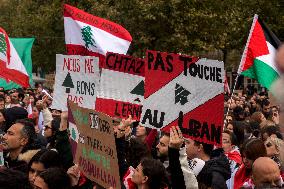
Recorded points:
244,55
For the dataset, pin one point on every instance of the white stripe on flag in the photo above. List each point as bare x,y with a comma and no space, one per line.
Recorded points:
269,59
15,61
118,85
3,57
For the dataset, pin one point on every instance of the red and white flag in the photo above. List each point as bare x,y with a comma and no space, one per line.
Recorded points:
185,91
30,110
89,35
121,87
11,65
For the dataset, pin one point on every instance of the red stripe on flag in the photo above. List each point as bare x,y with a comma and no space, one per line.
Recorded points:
161,68
15,76
73,49
108,26
257,46
211,112
120,109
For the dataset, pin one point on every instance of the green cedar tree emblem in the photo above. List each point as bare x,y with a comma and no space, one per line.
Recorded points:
3,45
87,36
68,83
73,134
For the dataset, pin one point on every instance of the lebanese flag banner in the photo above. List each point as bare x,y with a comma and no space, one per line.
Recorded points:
258,59
11,65
88,35
185,91
121,90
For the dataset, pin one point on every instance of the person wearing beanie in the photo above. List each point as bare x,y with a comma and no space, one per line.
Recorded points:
13,114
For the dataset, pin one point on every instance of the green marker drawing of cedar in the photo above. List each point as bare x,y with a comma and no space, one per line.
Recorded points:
3,45
68,83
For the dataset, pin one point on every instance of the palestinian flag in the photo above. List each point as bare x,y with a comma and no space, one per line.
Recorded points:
121,87
11,65
88,35
258,57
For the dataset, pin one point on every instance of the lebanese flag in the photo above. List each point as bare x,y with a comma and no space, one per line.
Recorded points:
258,59
197,93
11,65
89,35
121,90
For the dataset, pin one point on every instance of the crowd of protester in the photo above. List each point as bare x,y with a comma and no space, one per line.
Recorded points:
252,153
39,155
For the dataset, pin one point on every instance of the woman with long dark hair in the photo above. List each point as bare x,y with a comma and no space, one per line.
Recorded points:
50,132
250,151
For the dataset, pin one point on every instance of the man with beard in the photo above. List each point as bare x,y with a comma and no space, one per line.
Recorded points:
162,149
266,108
19,145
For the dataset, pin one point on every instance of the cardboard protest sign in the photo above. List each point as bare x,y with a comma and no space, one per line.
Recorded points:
96,153
185,91
76,79
122,86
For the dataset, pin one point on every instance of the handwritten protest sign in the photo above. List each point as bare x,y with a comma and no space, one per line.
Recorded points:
96,150
76,79
185,91
122,86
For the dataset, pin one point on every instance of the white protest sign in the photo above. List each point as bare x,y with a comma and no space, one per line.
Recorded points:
77,79
185,91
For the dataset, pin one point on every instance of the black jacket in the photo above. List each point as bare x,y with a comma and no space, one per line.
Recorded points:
215,173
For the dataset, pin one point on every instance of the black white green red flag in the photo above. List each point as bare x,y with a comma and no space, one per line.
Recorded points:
121,86
185,91
258,57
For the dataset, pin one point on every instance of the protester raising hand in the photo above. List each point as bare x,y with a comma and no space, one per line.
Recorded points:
74,174
44,101
126,122
64,120
123,128
176,138
181,175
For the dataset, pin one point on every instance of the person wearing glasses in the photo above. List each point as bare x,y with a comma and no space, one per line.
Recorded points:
58,139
